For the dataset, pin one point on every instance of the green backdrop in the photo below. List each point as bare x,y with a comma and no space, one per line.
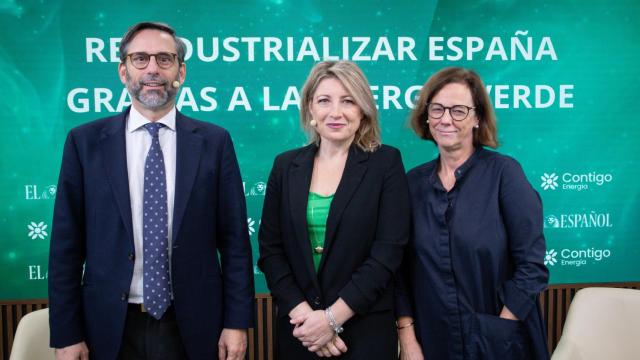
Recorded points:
563,75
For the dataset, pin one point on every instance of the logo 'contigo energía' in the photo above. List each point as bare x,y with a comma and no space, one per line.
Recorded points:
576,257
574,181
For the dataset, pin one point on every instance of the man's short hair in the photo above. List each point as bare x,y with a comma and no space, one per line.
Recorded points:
135,29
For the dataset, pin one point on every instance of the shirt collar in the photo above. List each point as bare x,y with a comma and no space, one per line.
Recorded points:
461,170
464,168
136,120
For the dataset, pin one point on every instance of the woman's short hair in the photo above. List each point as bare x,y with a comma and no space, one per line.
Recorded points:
367,136
486,133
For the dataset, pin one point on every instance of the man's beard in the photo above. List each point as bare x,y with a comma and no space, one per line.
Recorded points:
152,99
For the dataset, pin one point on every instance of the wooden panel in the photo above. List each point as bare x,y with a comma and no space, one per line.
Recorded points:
11,328
261,343
270,328
250,344
555,303
260,326
3,332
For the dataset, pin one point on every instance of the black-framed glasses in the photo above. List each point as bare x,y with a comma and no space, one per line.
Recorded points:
457,112
140,60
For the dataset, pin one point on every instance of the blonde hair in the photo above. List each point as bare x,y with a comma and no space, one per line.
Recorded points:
486,133
367,136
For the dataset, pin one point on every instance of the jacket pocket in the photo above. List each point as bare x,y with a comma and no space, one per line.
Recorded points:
492,337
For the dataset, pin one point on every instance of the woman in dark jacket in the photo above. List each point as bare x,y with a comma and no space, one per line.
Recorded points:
334,225
474,267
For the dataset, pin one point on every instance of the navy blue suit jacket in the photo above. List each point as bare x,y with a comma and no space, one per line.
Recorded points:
211,262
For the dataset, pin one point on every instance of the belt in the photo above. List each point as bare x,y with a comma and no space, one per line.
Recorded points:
139,308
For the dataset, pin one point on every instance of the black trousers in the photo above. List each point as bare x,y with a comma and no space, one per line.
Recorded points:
146,338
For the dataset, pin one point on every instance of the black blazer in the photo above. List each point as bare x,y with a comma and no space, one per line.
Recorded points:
367,229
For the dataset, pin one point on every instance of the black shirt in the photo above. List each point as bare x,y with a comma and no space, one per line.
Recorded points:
474,249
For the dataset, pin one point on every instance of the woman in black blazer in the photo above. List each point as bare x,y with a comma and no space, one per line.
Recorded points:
334,224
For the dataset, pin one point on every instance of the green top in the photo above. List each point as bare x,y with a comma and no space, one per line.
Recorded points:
317,213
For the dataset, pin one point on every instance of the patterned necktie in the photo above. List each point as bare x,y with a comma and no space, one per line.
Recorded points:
157,285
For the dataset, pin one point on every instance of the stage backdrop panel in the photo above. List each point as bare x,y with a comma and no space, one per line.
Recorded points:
563,76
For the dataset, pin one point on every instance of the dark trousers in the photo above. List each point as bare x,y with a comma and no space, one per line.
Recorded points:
146,338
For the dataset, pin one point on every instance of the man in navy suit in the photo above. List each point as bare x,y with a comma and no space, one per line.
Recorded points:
150,255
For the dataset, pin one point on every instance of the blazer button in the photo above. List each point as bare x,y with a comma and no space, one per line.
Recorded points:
132,256
316,301
124,296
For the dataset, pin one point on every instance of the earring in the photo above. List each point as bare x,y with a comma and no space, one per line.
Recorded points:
427,121
476,126
313,122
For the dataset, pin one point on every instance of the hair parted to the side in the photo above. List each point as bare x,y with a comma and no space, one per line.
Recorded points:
135,29
367,136
486,133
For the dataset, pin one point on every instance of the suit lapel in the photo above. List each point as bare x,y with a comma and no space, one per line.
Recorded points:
114,157
352,175
188,152
300,181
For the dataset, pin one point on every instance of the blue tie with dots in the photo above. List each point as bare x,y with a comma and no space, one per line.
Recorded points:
157,284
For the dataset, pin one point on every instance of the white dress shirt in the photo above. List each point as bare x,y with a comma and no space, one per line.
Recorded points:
138,142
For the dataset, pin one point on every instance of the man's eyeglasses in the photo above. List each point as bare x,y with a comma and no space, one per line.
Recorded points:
140,60
457,112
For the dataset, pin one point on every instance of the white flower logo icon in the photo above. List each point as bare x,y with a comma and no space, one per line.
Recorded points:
37,230
550,257
549,181
250,224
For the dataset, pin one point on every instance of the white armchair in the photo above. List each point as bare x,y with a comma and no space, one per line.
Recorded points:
602,323
32,337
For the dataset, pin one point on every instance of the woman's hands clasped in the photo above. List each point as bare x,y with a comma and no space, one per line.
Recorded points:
313,330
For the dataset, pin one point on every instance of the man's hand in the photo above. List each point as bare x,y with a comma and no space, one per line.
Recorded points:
232,344
77,351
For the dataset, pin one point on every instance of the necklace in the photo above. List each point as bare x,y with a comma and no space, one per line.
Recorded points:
318,213
317,248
